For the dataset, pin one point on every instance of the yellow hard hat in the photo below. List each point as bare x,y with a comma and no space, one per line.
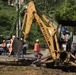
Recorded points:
37,40
3,40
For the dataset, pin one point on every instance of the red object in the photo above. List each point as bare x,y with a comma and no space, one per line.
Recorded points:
37,47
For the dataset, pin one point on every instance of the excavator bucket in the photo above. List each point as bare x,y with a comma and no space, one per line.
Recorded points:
17,47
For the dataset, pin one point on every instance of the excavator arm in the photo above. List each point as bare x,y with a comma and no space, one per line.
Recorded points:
49,32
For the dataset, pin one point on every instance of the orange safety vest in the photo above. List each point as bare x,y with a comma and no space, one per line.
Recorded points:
4,44
37,47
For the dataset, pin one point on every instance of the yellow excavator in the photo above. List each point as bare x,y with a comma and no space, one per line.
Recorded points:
56,55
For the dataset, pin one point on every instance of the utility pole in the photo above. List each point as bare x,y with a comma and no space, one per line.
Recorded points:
18,24
17,3
17,30
19,17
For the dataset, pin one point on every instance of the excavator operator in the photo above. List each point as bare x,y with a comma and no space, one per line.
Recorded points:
66,43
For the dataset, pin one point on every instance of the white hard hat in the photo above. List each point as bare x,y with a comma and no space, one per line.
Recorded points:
13,36
21,38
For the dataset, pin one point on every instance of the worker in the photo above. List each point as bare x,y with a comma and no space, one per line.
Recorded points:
9,48
4,47
10,45
68,39
65,37
13,37
37,53
36,48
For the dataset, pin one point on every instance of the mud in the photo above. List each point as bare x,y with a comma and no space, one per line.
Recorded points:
14,69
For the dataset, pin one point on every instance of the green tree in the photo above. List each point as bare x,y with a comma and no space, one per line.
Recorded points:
66,11
7,20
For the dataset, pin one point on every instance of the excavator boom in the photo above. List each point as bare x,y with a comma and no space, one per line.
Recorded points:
48,32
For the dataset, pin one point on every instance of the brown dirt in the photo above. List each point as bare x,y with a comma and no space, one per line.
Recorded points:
29,70
9,69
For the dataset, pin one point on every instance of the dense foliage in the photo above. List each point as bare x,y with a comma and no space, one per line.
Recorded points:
7,20
67,11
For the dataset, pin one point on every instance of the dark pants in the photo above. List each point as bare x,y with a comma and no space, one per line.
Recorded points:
4,50
36,54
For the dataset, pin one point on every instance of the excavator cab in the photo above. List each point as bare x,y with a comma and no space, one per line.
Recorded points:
70,27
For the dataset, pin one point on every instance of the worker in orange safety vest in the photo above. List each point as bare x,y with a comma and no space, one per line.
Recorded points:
37,49
4,47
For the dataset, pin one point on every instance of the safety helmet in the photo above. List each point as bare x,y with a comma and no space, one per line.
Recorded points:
37,40
3,40
13,36
63,30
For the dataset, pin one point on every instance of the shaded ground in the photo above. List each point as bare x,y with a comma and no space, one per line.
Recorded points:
29,70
